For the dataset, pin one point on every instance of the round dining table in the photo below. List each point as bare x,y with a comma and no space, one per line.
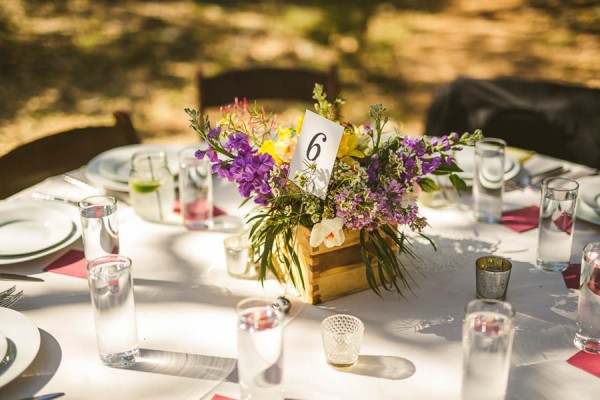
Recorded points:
185,310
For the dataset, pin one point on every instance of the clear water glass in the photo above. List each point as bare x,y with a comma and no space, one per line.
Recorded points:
151,186
195,190
487,345
557,223
260,350
99,223
488,182
111,289
342,337
587,336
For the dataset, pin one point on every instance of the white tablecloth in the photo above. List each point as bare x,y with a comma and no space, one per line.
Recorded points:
411,348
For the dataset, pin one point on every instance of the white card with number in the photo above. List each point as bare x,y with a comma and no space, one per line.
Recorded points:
315,153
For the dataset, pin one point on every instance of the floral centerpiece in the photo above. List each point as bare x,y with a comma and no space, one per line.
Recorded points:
375,180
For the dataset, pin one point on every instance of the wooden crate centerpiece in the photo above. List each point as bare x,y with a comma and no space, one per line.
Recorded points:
329,272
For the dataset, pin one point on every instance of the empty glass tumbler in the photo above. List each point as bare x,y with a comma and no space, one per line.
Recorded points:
488,182
151,186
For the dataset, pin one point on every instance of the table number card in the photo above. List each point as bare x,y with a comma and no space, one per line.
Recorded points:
315,153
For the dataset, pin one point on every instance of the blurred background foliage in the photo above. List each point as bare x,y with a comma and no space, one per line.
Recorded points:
72,62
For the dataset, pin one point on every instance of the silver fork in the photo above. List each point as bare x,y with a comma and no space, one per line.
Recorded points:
9,297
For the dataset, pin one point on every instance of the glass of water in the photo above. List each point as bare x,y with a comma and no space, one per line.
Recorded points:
111,289
556,227
488,182
195,190
260,350
99,226
487,345
587,337
151,186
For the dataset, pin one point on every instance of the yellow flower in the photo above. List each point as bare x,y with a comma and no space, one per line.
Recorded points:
349,146
285,145
299,124
268,146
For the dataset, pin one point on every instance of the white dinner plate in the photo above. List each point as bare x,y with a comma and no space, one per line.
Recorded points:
26,338
27,229
584,211
466,161
110,169
590,194
71,214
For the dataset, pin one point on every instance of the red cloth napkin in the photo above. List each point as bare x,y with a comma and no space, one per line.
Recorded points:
587,362
571,276
564,222
219,397
522,219
71,263
216,210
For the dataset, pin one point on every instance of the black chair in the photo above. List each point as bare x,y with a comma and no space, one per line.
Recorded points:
263,83
555,119
60,152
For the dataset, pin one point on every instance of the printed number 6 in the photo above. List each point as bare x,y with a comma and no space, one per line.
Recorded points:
315,146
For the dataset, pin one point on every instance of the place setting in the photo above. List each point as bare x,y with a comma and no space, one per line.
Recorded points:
31,229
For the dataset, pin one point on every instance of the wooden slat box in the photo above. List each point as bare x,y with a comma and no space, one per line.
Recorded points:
329,273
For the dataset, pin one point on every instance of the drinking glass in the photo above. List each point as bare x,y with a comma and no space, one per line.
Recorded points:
556,226
488,182
487,345
342,337
151,186
195,190
260,350
111,289
491,277
587,337
100,229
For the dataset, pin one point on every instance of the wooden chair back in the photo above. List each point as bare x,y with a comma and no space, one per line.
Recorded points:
263,83
60,152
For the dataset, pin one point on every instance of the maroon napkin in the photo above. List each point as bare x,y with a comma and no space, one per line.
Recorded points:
564,222
219,397
216,210
72,263
571,276
522,219
587,362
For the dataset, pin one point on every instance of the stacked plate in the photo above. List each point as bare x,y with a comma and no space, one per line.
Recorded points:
30,229
588,207
110,169
466,161
19,344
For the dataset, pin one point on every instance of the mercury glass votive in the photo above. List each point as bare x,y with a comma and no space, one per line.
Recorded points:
492,274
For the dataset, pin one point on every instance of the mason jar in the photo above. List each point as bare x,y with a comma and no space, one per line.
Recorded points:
151,186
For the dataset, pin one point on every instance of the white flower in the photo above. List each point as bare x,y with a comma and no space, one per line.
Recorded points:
328,231
285,148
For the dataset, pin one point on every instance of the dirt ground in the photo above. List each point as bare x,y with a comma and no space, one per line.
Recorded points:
65,63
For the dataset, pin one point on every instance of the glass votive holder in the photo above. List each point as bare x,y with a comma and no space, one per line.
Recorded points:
491,275
342,337
238,256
